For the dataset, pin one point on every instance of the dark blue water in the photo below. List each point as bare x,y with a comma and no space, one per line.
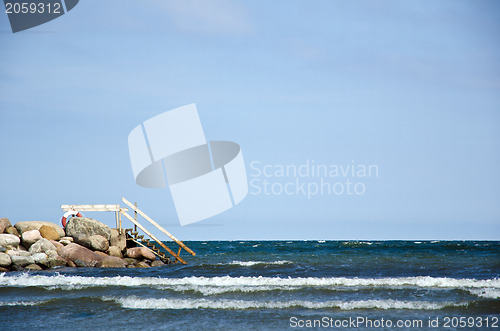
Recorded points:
261,285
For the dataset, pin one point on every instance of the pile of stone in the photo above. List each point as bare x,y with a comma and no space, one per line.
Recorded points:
84,242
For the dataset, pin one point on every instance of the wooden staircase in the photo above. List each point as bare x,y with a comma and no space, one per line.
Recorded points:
135,237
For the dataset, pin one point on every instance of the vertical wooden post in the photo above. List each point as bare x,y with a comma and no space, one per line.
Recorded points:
120,231
116,217
135,217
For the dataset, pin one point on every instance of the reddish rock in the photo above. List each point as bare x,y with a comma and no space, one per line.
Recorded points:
101,254
4,224
140,253
80,255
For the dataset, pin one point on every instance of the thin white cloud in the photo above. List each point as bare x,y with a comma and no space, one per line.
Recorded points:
201,16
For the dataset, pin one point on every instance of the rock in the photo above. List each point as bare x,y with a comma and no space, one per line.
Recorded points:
39,257
115,251
88,227
70,239
9,240
2,269
98,243
157,263
82,239
49,232
30,237
3,249
4,224
33,266
101,254
56,244
22,261
141,265
54,262
111,262
5,260
83,257
140,253
22,248
13,252
71,264
12,230
41,246
118,240
65,242
130,265
51,253
131,261
35,225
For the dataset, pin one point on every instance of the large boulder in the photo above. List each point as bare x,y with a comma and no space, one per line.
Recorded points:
53,262
111,262
157,263
30,237
39,257
98,243
4,224
83,257
36,225
140,253
9,240
118,240
88,227
49,232
41,246
5,260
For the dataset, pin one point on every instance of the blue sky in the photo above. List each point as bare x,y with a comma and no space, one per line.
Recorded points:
412,87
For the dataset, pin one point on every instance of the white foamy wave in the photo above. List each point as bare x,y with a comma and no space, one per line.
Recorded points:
252,263
141,303
21,303
488,293
228,283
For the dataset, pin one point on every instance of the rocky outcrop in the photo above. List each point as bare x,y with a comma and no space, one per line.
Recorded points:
111,262
88,243
83,257
36,225
140,253
9,240
49,232
30,237
4,224
88,227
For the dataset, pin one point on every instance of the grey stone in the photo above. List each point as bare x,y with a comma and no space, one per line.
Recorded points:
41,246
51,253
4,224
30,237
5,260
115,251
9,240
54,262
111,262
98,243
36,225
87,226
131,261
70,239
39,257
13,252
22,261
157,263
142,265
118,240
65,242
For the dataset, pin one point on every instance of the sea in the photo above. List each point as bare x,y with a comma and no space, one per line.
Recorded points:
271,285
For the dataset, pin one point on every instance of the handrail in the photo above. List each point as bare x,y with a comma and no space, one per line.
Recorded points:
153,237
158,226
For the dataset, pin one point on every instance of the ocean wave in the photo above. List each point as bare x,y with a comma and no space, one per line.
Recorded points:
252,263
141,303
212,285
22,303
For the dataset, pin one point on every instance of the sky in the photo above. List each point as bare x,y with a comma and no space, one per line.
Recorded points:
410,88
